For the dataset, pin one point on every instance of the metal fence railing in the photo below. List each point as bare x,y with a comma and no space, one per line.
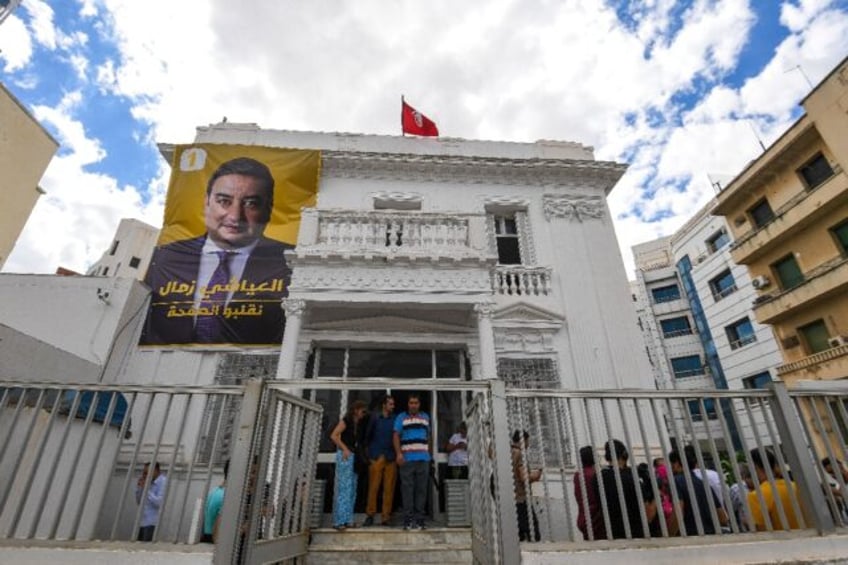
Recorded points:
73,458
698,463
132,463
642,464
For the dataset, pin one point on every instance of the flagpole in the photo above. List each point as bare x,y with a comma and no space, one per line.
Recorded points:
402,133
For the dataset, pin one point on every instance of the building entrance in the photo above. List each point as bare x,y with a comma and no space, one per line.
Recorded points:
343,376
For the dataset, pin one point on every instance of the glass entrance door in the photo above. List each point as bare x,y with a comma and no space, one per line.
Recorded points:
428,369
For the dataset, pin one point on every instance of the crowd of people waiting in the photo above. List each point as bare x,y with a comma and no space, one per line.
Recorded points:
620,502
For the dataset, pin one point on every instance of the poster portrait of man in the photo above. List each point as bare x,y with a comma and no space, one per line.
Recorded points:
220,280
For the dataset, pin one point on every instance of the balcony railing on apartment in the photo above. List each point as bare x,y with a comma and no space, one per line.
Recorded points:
813,360
786,207
520,280
725,292
678,333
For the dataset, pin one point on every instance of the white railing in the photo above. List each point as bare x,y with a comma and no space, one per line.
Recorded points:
393,232
519,280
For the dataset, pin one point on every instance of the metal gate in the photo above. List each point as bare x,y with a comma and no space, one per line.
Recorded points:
494,535
265,518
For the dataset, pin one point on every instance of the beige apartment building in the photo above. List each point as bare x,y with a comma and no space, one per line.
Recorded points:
788,211
25,150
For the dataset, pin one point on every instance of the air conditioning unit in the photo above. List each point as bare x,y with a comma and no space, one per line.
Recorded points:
760,282
837,341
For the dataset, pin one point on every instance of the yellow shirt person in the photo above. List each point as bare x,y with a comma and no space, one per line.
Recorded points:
782,487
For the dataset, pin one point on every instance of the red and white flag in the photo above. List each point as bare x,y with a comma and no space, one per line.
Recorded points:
414,122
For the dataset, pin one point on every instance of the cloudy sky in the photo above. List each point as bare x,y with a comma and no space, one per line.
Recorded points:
676,89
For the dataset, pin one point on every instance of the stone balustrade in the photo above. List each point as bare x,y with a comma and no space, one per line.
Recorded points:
521,280
393,232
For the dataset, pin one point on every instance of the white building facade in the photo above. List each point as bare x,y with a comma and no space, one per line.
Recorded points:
493,260
129,252
697,317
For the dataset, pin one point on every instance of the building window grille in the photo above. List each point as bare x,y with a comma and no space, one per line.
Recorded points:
718,240
761,213
723,285
788,272
816,171
760,380
135,262
665,293
545,414
815,336
233,369
674,327
688,366
740,333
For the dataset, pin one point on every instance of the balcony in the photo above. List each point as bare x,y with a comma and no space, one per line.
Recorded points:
393,234
820,283
799,212
830,363
520,280
397,256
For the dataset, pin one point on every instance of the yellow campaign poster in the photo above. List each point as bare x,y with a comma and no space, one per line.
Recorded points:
219,272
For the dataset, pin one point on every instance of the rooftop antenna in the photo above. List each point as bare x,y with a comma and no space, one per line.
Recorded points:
803,74
756,134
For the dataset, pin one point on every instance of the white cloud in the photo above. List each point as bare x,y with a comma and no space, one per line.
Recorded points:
517,70
41,22
796,15
15,44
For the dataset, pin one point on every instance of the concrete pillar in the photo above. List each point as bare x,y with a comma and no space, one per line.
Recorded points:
488,362
288,352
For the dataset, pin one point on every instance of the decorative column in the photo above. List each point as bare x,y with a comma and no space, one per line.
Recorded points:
488,363
288,352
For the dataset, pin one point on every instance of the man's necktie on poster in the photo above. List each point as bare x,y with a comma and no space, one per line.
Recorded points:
208,326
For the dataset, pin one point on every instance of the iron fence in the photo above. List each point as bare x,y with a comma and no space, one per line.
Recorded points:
658,464
132,463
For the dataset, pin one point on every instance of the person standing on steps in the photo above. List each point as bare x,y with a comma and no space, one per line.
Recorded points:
347,436
379,439
412,452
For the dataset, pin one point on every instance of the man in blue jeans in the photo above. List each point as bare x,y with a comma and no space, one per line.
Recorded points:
412,453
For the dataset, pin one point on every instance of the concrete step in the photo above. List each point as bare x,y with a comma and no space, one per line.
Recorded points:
383,536
446,546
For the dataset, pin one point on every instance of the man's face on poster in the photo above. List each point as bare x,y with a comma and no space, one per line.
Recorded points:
237,210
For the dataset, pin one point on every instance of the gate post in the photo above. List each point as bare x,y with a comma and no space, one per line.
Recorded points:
509,548
229,530
797,452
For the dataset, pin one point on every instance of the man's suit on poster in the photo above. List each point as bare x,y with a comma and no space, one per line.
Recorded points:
180,261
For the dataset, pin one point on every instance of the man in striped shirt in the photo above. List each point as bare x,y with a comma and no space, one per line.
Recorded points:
412,452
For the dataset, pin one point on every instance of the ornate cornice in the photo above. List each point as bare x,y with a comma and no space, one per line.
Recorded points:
551,173
573,206
310,278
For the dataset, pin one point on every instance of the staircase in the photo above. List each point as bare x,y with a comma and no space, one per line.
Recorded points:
446,546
